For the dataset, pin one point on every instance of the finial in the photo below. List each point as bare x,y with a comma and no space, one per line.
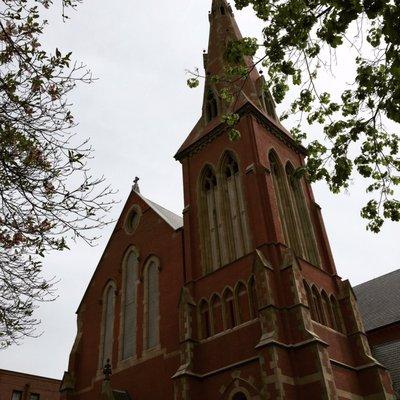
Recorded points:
261,71
136,185
107,370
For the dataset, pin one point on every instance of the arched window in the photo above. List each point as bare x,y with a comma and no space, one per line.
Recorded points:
253,297
310,301
239,396
211,106
204,320
210,221
337,315
269,103
326,305
303,216
151,305
107,338
129,305
216,312
318,305
290,230
229,310
242,302
234,208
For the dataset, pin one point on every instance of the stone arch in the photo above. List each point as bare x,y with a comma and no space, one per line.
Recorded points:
319,313
107,323
210,220
229,307
239,386
337,315
310,300
204,319
302,215
151,303
285,206
128,313
217,319
242,302
327,309
211,104
233,206
253,298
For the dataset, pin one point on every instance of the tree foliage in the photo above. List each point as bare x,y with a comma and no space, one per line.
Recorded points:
47,194
300,39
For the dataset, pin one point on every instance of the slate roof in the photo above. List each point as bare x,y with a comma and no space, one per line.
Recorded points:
174,220
388,355
379,300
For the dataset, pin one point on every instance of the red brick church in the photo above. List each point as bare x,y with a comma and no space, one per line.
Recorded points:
240,298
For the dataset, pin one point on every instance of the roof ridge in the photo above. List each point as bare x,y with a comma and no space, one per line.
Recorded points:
378,277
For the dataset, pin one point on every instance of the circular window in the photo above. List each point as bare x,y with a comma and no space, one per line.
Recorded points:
132,219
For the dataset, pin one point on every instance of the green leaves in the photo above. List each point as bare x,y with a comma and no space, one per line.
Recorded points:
193,82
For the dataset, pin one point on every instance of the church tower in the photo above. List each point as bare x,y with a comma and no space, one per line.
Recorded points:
263,313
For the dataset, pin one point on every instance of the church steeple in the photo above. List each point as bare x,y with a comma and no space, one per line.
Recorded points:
251,89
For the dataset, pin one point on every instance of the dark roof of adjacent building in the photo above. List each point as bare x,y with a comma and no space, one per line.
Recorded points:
379,300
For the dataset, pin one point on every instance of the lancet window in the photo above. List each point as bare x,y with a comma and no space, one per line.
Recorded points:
151,303
310,251
210,221
229,306
290,230
205,320
253,298
211,105
107,338
130,305
234,207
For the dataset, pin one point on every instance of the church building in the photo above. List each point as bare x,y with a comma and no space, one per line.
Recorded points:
239,299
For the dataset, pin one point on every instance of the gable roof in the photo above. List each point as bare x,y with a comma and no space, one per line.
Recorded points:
174,220
379,300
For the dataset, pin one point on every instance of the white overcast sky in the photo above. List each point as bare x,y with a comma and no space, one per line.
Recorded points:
137,114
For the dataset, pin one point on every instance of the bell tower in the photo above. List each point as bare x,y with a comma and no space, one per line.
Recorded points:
263,313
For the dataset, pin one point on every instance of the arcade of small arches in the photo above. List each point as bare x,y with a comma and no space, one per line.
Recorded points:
324,309
228,310
134,280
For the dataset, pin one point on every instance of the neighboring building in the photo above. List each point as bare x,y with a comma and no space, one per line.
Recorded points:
379,303
20,386
240,299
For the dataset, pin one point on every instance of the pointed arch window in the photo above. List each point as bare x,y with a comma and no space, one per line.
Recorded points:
290,231
210,221
229,310
242,302
337,315
211,105
130,305
310,301
253,297
326,305
107,338
303,217
269,103
234,208
319,314
151,304
216,312
205,320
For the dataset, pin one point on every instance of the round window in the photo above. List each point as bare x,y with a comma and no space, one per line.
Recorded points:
132,219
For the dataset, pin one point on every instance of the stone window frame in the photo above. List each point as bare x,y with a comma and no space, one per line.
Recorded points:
237,390
225,205
109,285
240,318
148,350
302,217
204,330
130,230
253,298
128,252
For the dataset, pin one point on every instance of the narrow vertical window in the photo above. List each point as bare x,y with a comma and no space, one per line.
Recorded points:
242,302
216,313
234,206
152,305
337,315
16,395
211,106
326,305
253,298
285,206
205,320
210,221
229,306
303,217
310,301
318,305
130,308
108,324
